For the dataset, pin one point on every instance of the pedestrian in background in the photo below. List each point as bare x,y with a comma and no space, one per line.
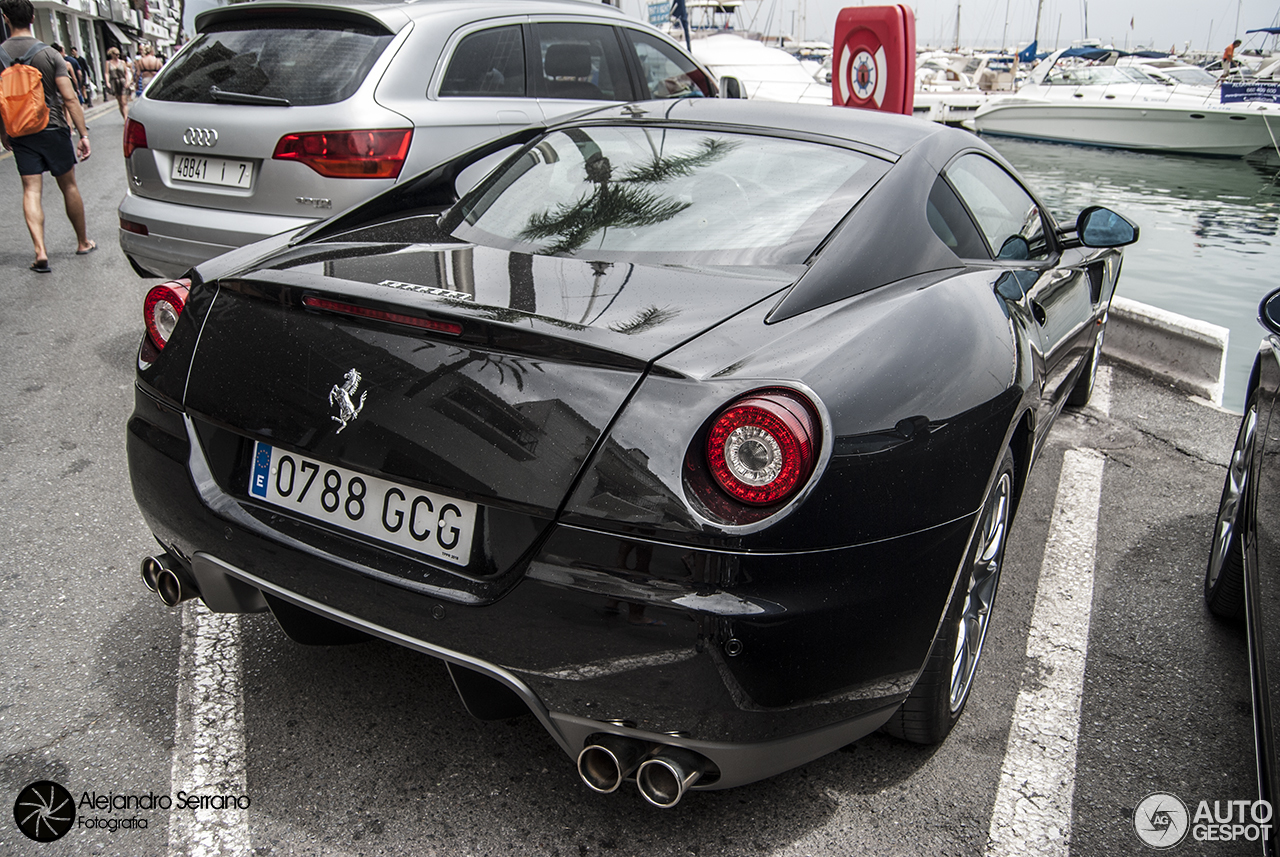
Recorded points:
1229,57
49,150
81,69
145,66
118,80
66,111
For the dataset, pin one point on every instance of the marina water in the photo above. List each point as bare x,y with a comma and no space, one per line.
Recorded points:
1209,248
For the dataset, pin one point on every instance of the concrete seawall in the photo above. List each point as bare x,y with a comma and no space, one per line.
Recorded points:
1189,353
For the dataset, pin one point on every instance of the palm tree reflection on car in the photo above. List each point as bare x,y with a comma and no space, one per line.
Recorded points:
624,202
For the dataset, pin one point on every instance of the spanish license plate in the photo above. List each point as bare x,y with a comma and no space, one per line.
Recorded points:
422,521
219,171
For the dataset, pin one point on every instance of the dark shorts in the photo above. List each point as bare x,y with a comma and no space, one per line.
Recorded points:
48,151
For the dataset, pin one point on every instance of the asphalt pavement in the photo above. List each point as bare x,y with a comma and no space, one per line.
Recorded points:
366,750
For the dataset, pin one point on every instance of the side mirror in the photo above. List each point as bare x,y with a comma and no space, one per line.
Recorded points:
1015,248
731,87
1269,312
1101,227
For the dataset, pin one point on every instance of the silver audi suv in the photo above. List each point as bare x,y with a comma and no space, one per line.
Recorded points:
281,113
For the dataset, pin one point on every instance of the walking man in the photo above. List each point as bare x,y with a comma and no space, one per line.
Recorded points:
80,71
48,150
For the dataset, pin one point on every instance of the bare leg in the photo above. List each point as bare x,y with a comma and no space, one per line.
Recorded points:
34,213
75,207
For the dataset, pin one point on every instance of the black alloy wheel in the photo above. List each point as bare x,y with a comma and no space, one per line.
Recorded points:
939,697
1224,579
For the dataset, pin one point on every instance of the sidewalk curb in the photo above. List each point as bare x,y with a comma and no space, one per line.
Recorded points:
1189,353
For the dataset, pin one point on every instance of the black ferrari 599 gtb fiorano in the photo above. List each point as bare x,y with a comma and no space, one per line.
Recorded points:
694,428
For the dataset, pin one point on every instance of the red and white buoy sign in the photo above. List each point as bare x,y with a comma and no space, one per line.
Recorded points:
874,66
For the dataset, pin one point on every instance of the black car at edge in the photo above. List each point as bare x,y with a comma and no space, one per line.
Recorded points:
1242,582
694,428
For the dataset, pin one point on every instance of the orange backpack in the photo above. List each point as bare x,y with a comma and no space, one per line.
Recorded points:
22,105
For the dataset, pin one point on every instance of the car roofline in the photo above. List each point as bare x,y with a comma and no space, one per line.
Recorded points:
395,15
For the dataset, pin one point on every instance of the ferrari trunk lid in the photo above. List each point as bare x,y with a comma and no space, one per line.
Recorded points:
471,378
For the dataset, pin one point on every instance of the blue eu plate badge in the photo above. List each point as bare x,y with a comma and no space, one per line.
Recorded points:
261,470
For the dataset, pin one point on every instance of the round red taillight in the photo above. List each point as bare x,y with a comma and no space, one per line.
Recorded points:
161,309
762,448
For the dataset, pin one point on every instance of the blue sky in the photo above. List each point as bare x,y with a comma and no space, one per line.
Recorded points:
1157,23
1207,24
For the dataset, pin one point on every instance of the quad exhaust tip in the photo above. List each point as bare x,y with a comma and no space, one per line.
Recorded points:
167,579
665,778
662,773
151,568
608,760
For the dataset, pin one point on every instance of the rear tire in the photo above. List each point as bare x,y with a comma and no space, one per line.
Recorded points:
1083,390
1224,578
938,699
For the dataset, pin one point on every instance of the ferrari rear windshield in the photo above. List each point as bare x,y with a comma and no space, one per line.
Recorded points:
666,195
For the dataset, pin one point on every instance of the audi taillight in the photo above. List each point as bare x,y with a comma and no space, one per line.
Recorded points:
135,136
161,309
762,448
348,154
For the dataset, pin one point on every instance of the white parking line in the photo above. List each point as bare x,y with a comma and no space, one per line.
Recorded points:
208,747
1032,813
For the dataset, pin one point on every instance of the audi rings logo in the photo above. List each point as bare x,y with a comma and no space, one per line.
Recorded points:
200,137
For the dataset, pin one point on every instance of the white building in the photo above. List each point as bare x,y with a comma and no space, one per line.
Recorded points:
93,26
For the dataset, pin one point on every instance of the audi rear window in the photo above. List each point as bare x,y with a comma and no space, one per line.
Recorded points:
273,61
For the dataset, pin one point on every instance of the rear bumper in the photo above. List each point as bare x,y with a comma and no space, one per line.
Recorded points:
179,237
758,662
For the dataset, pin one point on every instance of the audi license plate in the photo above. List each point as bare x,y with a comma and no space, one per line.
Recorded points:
220,171
422,521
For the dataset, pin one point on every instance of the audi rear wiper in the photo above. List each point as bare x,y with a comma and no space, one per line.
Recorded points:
222,95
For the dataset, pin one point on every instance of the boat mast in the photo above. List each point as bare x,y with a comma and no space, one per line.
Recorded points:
1004,37
1035,39
956,45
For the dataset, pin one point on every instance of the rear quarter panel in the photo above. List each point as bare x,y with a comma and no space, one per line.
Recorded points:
950,354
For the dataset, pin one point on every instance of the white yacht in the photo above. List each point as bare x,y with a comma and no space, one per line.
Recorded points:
758,70
951,86
1102,104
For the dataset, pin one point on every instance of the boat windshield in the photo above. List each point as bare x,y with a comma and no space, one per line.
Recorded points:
1193,75
1094,75
666,196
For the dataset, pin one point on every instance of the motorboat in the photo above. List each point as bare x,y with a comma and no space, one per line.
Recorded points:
759,71
1080,95
1170,70
950,86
